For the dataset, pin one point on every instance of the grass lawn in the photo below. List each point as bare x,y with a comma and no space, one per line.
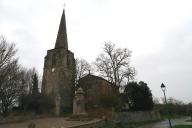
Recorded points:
183,126
127,125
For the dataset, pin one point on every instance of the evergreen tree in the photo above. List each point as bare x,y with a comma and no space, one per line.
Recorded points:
35,89
138,96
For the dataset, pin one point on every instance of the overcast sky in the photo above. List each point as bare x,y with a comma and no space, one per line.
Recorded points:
158,32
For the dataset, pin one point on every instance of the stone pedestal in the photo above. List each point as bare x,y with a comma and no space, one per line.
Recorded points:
79,103
57,105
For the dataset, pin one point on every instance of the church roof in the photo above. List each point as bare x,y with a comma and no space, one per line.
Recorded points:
91,77
61,41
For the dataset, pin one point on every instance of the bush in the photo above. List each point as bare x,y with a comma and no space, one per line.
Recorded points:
182,126
138,96
175,107
110,100
37,102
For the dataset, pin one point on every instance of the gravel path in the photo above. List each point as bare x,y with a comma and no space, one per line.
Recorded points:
47,123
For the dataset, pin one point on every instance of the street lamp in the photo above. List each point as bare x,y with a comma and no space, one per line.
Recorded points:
163,87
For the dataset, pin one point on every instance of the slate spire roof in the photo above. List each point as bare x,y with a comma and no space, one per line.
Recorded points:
61,41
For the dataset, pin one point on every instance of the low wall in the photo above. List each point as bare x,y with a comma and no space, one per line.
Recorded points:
137,116
100,112
95,124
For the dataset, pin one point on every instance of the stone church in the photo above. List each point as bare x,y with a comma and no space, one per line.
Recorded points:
59,71
96,88
59,76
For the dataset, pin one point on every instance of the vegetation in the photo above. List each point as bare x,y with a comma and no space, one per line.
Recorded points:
37,103
110,100
119,125
11,76
82,68
182,126
18,85
114,64
138,96
127,125
174,107
35,89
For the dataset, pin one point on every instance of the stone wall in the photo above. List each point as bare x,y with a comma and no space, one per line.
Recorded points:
101,112
137,116
95,88
124,117
95,124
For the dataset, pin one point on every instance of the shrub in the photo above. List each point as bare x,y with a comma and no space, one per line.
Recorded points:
138,96
37,102
110,100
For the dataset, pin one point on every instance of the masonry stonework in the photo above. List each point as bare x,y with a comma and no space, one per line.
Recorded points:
95,88
59,72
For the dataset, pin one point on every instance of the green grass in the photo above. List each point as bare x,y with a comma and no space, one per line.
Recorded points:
182,126
127,125
171,116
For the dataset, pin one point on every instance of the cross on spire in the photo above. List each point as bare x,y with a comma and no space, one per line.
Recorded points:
64,6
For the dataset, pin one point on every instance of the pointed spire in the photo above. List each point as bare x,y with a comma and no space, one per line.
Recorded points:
61,41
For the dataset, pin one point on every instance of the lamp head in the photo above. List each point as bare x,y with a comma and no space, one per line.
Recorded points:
163,87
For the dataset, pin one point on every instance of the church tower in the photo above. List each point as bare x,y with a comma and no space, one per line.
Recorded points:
59,71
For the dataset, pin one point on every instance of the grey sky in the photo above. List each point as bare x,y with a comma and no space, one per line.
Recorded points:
159,32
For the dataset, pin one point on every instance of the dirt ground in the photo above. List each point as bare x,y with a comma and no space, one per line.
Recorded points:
46,123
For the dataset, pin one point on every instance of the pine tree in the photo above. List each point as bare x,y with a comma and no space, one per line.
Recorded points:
35,89
138,96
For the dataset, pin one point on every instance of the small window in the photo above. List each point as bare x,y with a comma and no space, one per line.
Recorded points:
54,60
68,60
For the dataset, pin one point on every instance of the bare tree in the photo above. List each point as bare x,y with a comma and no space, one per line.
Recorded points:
7,51
27,79
30,75
113,64
10,76
82,68
129,73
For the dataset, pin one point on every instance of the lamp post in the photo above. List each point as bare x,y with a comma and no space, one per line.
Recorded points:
163,87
